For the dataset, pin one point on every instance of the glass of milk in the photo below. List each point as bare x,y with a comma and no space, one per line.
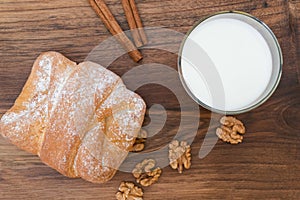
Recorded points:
230,62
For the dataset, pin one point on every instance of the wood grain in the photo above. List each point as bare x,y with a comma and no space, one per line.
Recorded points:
265,166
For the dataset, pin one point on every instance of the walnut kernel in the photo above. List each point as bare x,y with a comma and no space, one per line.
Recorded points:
129,191
231,130
146,173
139,144
179,155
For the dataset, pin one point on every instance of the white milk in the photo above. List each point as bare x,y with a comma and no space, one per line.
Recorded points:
241,57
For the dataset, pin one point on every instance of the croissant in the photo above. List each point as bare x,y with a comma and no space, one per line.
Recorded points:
79,119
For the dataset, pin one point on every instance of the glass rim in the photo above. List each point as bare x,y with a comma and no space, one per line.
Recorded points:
264,97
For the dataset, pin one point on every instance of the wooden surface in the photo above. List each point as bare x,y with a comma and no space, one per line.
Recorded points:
265,166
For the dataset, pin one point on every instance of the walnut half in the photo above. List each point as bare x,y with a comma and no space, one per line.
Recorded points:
146,173
231,130
140,140
129,191
179,155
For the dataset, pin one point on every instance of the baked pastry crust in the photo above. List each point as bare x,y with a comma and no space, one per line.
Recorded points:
79,119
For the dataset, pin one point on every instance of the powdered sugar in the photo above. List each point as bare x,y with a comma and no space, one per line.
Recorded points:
11,117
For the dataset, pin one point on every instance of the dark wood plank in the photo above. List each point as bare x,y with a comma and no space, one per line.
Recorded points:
265,166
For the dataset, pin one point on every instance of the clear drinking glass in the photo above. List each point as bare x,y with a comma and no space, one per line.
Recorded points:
274,47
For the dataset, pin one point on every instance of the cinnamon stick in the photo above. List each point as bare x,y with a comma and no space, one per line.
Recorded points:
138,21
132,23
114,28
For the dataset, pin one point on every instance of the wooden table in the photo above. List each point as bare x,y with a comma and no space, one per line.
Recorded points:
265,166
